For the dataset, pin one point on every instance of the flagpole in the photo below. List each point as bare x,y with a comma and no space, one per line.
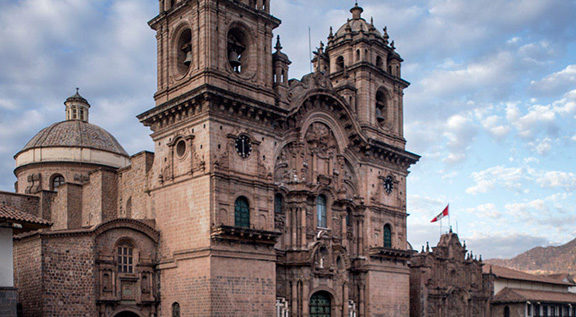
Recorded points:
449,219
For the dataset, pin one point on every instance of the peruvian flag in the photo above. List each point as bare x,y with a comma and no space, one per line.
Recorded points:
441,215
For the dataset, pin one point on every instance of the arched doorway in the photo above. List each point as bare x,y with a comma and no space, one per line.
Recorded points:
320,305
506,311
126,314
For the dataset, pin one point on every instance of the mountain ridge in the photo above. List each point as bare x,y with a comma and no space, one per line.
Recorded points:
543,260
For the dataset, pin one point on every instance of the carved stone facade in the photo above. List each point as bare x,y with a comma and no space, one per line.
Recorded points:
265,196
448,281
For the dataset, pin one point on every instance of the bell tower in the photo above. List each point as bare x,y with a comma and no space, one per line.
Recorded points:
359,56
210,185
214,44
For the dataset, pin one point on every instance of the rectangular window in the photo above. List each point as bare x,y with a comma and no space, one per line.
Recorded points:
125,258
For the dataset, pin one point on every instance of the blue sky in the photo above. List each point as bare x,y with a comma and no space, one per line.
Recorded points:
491,108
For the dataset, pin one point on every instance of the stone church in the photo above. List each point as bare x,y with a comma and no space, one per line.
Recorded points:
264,196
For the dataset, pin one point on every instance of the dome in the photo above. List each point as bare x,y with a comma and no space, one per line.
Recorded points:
357,24
76,133
74,141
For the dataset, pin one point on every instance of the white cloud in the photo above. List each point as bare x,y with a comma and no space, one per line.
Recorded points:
488,210
508,177
541,146
557,179
555,83
495,126
460,132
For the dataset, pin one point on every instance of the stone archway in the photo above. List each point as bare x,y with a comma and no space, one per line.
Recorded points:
126,313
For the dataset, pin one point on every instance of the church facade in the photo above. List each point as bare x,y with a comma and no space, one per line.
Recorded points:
264,196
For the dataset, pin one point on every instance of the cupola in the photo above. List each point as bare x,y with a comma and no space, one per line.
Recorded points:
77,107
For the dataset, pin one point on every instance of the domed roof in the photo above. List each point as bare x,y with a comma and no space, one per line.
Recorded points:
357,24
75,133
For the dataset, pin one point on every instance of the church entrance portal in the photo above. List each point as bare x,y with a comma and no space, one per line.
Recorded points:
320,305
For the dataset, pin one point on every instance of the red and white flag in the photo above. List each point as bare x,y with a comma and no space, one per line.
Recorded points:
441,215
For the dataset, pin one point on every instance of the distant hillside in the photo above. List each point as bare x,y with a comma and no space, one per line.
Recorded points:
549,260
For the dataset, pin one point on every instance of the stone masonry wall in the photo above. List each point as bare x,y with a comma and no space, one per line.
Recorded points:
24,203
8,302
28,274
388,293
133,199
192,291
68,273
243,287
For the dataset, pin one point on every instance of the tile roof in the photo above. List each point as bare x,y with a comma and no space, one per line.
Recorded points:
11,214
511,274
76,133
514,295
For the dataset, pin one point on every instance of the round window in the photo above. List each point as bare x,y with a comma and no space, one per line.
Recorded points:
181,148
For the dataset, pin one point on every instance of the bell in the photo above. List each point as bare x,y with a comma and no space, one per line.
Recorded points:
188,59
379,115
233,59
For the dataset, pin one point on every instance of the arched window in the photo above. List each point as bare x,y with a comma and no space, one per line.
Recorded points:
321,211
242,212
125,258
320,305
184,52
387,236
339,63
380,107
175,310
357,55
348,217
507,311
57,181
237,50
379,62
278,203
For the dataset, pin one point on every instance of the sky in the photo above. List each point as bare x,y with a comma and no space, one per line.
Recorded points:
491,107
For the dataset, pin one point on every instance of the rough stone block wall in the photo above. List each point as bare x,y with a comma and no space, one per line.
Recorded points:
192,291
388,292
92,200
28,275
74,205
67,207
109,195
68,273
71,172
417,300
25,203
8,302
183,216
46,201
243,287
133,199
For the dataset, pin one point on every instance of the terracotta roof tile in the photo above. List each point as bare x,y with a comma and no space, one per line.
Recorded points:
514,295
511,274
11,214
